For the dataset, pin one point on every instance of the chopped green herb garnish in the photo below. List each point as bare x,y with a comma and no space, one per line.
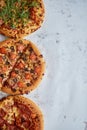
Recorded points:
12,26
34,4
15,12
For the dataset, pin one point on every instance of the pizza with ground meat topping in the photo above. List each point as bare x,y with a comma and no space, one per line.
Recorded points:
19,113
20,17
9,53
21,66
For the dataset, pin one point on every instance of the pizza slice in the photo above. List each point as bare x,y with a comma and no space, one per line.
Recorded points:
10,51
27,72
19,113
20,17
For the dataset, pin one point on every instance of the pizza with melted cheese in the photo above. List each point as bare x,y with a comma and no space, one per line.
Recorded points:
19,113
10,51
20,17
21,66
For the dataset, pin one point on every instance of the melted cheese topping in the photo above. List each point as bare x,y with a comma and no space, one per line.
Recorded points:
18,115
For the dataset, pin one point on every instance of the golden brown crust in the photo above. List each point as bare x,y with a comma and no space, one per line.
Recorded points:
31,27
36,83
30,104
9,40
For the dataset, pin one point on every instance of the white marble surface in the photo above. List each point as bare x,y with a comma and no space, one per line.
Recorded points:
62,94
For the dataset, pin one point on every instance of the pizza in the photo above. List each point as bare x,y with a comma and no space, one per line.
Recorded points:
21,66
20,113
20,17
10,51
